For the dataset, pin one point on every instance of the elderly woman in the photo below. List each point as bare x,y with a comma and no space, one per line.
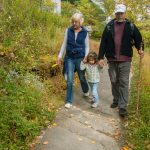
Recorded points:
76,46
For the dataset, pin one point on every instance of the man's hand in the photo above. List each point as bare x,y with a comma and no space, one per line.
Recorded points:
101,63
141,53
59,61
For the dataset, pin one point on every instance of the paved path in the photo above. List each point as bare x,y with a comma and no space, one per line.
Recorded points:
84,128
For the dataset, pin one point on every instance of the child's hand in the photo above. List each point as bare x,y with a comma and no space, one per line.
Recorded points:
102,63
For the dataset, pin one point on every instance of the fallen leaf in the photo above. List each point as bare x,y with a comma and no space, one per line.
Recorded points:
93,142
117,135
45,142
54,124
71,115
86,122
32,145
125,148
80,139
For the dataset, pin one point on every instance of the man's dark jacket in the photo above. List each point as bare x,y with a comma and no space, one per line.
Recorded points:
131,36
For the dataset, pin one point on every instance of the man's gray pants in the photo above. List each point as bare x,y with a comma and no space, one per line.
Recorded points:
119,77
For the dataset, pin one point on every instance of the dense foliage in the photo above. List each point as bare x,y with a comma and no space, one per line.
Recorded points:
29,39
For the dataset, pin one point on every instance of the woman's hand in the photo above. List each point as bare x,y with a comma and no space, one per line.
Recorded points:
59,61
85,60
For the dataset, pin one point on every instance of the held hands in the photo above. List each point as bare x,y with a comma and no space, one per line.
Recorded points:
101,63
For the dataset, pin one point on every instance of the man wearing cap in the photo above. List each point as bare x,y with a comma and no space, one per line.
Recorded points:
117,41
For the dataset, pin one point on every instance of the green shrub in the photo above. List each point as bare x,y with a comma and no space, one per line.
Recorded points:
26,35
28,32
22,113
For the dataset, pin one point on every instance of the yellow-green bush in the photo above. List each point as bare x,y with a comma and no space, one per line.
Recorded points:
22,112
27,34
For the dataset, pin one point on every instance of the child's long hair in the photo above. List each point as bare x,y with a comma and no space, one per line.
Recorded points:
92,55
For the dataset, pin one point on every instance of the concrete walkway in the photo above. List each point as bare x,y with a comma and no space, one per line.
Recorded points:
85,128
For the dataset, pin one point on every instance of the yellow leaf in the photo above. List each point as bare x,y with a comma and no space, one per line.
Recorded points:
93,142
55,65
54,124
125,148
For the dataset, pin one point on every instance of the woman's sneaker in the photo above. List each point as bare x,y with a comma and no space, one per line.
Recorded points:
68,105
94,105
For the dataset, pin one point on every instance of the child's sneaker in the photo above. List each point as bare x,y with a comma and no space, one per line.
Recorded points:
86,94
92,101
94,105
68,105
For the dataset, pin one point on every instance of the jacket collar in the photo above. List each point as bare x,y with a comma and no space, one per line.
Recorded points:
111,23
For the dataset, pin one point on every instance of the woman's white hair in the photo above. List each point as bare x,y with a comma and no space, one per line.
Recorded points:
78,16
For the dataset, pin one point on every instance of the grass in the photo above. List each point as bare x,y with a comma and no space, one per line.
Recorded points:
22,113
138,126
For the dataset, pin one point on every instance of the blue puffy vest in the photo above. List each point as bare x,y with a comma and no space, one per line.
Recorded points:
76,49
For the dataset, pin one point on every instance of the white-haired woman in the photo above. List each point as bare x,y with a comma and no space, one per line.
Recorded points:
76,48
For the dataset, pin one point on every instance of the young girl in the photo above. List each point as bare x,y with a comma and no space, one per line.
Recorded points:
92,69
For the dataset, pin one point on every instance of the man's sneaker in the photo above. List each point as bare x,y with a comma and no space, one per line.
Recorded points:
94,105
113,105
122,112
86,94
68,105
